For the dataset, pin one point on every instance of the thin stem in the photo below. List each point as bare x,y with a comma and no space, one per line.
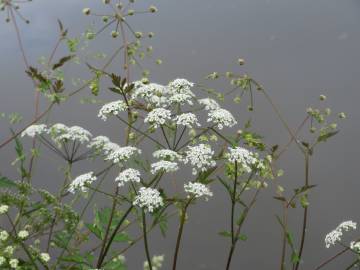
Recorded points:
146,245
305,215
283,249
166,139
233,202
180,232
112,237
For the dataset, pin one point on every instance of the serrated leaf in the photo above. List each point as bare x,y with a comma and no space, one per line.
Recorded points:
326,136
62,61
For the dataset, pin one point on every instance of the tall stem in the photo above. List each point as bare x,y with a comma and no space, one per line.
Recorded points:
146,245
180,232
305,215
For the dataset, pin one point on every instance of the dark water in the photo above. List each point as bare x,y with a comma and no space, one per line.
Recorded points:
297,49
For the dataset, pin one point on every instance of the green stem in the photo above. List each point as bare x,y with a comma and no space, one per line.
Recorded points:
179,235
146,245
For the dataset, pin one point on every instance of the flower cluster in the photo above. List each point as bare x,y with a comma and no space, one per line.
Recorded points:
156,261
116,153
34,130
164,166
152,93
246,159
187,119
158,117
335,236
200,157
166,154
221,118
209,103
128,175
149,199
112,108
99,142
81,182
197,190
3,209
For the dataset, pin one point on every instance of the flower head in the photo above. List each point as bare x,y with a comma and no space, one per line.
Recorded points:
166,154
121,154
34,130
45,257
164,166
335,236
112,108
80,182
200,157
14,263
99,142
128,175
221,118
4,235
209,103
149,199
246,159
198,190
187,119
152,93
158,117
23,234
3,209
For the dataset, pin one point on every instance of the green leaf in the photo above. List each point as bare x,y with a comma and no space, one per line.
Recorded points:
94,229
225,234
122,237
7,183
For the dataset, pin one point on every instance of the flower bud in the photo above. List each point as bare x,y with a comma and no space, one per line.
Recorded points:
114,34
158,61
151,34
106,2
86,11
241,61
342,115
105,19
312,129
138,34
131,12
322,97
153,9
333,126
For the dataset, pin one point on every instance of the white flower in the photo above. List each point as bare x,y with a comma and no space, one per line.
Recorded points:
200,157
152,93
187,119
4,235
112,108
57,129
9,250
221,118
166,154
149,199
74,133
156,261
34,130
128,175
181,99
120,154
23,234
2,260
347,225
182,86
80,182
246,159
110,147
14,263
158,117
164,166
98,142
335,236
45,257
355,246
209,103
198,190
3,209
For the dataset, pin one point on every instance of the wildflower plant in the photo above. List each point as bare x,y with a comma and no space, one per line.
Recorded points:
177,127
